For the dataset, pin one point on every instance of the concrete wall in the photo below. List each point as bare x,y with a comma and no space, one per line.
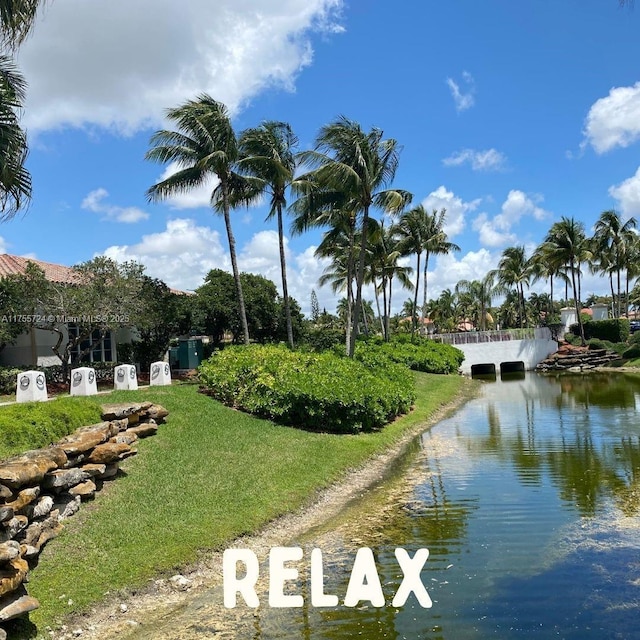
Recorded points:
531,352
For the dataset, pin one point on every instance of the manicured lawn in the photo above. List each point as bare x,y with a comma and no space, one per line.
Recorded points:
208,476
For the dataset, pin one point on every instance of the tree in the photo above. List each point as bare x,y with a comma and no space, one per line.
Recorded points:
567,245
315,307
515,270
357,165
268,154
481,294
205,145
17,18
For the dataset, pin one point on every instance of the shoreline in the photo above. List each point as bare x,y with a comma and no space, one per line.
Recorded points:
125,613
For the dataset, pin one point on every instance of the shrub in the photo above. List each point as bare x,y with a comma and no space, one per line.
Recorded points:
31,425
632,352
614,330
617,347
323,339
316,391
421,355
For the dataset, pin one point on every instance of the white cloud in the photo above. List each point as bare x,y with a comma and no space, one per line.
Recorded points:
449,270
3,245
497,232
181,255
165,52
463,101
627,193
457,209
95,201
192,199
487,160
614,121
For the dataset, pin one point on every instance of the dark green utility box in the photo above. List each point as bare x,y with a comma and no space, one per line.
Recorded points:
189,353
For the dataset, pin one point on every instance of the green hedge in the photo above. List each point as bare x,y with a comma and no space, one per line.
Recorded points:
316,391
31,425
614,330
422,355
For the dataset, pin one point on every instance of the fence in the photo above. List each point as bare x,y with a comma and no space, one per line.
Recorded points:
478,337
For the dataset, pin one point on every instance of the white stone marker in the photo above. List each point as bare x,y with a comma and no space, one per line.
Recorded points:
124,377
31,386
160,374
83,382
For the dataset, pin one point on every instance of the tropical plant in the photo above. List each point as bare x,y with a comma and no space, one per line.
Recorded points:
203,146
515,270
268,154
355,166
480,294
17,18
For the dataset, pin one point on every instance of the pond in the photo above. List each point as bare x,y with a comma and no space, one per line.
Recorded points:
528,500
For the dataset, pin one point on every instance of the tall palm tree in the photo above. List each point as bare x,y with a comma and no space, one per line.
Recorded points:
515,270
268,154
568,245
15,180
204,145
17,18
358,165
545,268
481,293
611,237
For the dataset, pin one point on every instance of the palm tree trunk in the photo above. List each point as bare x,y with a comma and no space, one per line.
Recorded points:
424,285
359,280
348,328
377,295
388,314
283,271
234,265
619,298
414,319
576,303
613,297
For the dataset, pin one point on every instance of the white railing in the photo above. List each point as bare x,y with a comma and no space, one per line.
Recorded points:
478,337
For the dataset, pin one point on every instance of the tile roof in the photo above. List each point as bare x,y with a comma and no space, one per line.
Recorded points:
11,265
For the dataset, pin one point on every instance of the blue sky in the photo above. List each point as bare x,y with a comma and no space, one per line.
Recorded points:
510,115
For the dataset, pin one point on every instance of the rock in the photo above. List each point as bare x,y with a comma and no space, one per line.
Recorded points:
28,551
128,437
157,412
12,575
37,533
92,469
6,513
85,490
134,418
3,634
64,478
87,438
67,505
109,452
123,409
44,506
29,468
17,604
111,471
180,583
11,528
144,429
5,493
25,497
8,551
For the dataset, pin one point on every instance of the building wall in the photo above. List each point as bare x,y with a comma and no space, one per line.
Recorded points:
530,352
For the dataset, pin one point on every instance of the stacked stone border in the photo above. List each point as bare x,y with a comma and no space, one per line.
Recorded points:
41,488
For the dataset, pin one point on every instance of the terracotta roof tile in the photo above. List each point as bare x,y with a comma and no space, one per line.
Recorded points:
10,265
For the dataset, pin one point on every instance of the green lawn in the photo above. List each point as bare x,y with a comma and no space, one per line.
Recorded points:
208,476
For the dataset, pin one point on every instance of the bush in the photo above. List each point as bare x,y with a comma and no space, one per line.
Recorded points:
632,352
614,330
617,347
316,391
421,355
31,425
322,339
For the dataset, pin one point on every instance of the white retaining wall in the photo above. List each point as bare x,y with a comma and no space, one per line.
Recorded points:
530,352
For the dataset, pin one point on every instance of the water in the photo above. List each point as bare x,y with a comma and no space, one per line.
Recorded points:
528,500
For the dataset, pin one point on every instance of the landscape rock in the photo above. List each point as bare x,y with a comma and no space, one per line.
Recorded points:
128,437
87,438
67,505
29,468
123,409
12,575
16,604
5,493
85,490
64,478
24,497
94,469
157,412
109,452
6,513
111,471
11,528
8,551
144,429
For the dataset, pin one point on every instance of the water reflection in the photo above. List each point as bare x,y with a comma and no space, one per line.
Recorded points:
528,500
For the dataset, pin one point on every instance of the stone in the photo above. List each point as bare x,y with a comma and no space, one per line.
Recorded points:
144,429
67,505
6,513
3,634
127,437
180,583
64,478
109,452
8,551
87,438
123,409
44,506
93,469
49,534
84,490
29,468
12,575
111,471
33,534
24,497
5,493
28,551
157,412
13,527
17,604
134,418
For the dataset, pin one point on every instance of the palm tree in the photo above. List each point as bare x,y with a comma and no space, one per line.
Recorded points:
357,166
204,145
545,268
15,180
567,245
515,270
268,154
481,293
610,239
17,18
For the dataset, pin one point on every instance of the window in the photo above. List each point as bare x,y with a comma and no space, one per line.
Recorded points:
102,351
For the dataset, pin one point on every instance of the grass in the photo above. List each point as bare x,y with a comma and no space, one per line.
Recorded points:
208,476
